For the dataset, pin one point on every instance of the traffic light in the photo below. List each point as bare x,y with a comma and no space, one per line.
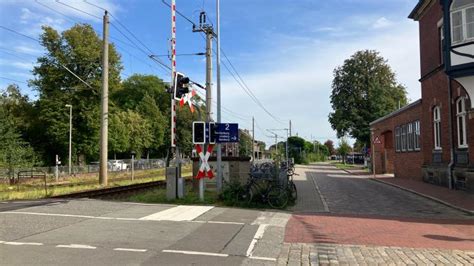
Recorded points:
212,133
181,86
199,132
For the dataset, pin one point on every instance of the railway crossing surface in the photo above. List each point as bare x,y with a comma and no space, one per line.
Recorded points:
339,218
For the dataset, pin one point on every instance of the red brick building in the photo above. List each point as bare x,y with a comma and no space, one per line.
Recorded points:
432,139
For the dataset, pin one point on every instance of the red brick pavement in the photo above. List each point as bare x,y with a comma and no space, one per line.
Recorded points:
381,231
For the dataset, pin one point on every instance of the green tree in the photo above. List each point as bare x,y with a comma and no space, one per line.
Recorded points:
363,89
139,130
14,151
245,144
343,149
119,134
79,49
330,145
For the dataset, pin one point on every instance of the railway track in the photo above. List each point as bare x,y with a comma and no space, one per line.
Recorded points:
112,192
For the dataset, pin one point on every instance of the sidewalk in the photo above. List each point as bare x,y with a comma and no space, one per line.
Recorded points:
454,198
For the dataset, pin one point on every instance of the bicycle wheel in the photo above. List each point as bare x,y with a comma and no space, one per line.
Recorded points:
277,197
292,190
245,196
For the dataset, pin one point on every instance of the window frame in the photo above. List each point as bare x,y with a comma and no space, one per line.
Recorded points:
461,116
437,128
464,25
397,139
417,134
410,142
404,138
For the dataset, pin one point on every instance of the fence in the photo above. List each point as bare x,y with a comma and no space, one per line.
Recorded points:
120,165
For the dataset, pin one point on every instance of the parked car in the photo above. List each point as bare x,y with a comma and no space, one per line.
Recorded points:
118,165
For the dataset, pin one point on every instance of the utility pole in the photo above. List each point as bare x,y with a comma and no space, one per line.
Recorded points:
209,31
104,103
218,79
290,128
70,137
253,139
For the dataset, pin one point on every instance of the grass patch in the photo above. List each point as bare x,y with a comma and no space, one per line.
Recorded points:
345,166
34,189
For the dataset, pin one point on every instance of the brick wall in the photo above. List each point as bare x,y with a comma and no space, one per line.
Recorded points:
387,160
429,39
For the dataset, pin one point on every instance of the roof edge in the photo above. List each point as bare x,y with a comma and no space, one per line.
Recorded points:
404,108
420,8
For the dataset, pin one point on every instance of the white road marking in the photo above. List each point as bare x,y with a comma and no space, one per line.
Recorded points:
125,219
258,235
219,222
323,200
179,213
262,258
195,253
76,246
22,243
130,249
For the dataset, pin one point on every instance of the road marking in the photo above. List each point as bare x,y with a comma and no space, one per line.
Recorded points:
130,249
195,253
325,204
219,222
258,235
76,246
52,214
262,258
179,213
22,243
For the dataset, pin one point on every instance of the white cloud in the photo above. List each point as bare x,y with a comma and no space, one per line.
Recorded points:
381,23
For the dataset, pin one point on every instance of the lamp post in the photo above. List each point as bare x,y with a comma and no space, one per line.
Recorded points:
70,137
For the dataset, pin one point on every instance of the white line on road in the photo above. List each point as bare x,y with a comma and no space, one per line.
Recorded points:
179,213
219,222
76,246
22,243
130,249
258,235
195,253
262,258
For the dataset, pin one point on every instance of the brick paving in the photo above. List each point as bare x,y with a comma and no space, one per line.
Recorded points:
309,200
371,223
457,198
336,254
381,231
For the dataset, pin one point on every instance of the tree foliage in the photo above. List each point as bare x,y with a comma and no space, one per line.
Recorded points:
78,49
363,89
330,146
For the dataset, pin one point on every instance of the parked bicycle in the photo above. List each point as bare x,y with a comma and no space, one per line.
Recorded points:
264,190
290,185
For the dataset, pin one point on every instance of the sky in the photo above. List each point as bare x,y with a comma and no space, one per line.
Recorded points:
284,50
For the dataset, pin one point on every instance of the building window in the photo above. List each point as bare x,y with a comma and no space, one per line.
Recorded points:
404,138
437,128
441,41
410,137
462,21
417,135
397,139
461,122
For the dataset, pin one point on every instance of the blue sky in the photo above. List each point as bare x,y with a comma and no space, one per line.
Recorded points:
285,50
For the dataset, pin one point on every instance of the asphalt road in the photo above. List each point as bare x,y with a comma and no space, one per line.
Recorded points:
93,232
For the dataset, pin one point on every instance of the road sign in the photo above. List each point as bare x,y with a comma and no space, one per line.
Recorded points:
227,132
377,140
204,170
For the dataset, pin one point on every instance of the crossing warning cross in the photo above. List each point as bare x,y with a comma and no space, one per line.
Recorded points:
204,170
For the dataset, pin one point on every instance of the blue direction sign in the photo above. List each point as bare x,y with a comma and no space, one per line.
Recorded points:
226,132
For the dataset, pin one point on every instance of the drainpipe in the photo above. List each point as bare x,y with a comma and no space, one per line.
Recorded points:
451,142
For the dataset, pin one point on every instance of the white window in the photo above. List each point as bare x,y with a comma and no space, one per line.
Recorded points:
417,135
437,128
404,138
410,136
461,122
462,21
